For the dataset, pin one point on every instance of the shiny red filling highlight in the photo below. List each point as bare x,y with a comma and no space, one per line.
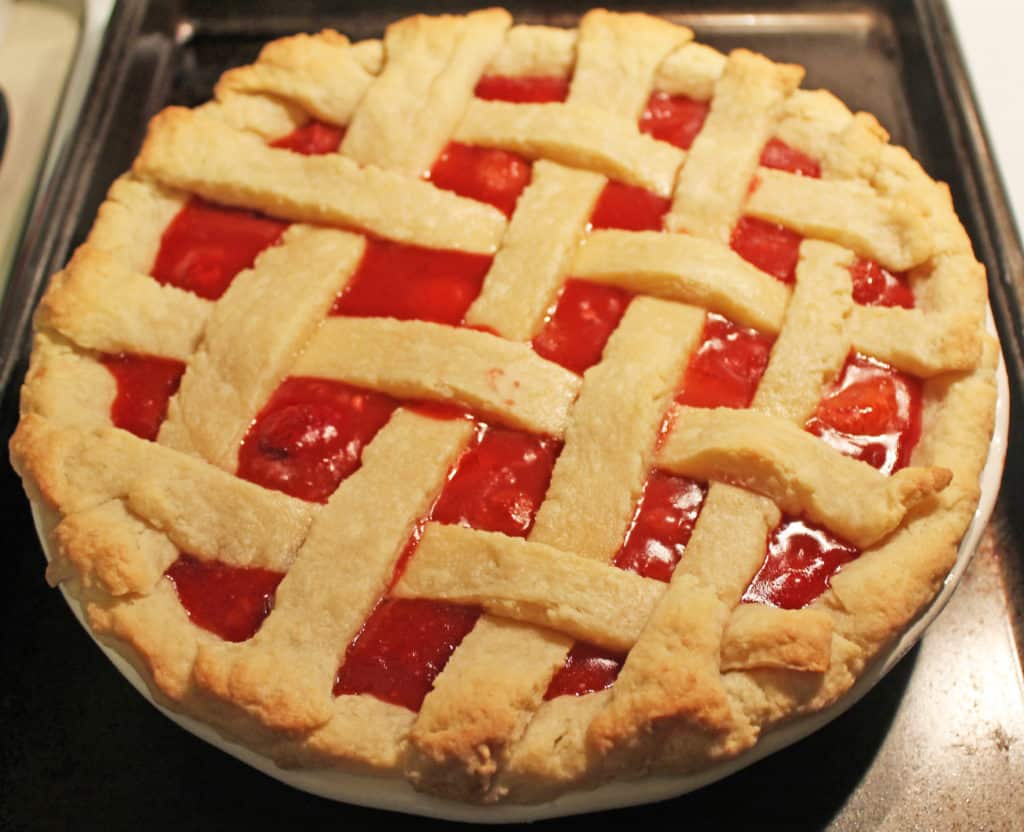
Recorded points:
629,207
874,285
799,565
404,645
872,413
581,324
206,245
726,368
532,90
497,485
230,601
587,669
310,436
486,174
779,155
395,280
675,119
770,247
312,139
662,525
144,386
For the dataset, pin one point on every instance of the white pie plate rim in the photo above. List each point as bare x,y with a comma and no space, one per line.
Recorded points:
395,794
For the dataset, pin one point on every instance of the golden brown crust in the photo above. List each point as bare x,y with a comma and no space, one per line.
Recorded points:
705,675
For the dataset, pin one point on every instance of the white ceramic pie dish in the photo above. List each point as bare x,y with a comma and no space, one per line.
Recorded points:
398,795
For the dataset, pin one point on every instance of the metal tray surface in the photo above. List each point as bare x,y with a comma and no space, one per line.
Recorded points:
937,743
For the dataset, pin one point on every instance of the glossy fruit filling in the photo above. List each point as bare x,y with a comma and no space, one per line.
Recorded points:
486,174
798,566
630,208
396,280
497,485
872,413
662,525
770,247
874,285
206,245
675,119
576,331
229,601
587,669
312,139
726,368
145,384
310,436
401,649
529,90
780,156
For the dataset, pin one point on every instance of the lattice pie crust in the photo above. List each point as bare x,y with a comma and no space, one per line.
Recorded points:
705,674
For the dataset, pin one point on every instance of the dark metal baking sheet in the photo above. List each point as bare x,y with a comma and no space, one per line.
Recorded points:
938,744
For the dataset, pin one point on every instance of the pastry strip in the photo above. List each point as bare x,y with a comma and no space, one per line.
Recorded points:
197,152
686,269
503,379
815,340
101,304
801,474
596,483
920,343
411,109
534,257
66,387
531,582
317,72
268,117
714,181
692,71
942,333
759,636
616,50
575,135
849,213
599,604
537,51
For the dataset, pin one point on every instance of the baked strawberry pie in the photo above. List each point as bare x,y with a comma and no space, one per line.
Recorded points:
510,408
